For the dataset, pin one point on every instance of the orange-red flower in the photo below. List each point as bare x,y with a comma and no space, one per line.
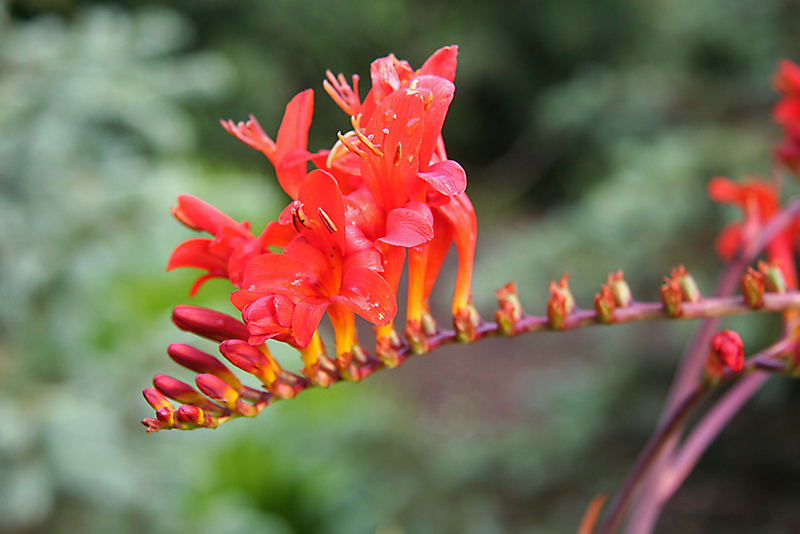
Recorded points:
338,249
289,152
727,350
759,203
318,269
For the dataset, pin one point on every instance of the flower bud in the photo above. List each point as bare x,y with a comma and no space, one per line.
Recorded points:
165,412
156,399
417,340
166,416
249,359
604,305
183,392
560,304
217,389
689,290
671,297
153,425
727,351
620,289
191,415
509,310
466,322
387,353
208,323
728,346
753,288
773,277
201,362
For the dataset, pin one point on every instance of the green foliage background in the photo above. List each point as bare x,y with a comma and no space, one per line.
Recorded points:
588,131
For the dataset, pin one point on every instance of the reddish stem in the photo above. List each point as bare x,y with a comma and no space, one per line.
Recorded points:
672,425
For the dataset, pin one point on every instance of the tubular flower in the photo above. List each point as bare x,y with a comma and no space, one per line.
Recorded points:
221,257
289,152
315,272
384,191
759,203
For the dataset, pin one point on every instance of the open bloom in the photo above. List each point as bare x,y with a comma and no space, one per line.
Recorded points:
759,203
386,190
318,269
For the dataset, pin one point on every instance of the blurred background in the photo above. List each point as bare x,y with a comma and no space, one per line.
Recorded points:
588,131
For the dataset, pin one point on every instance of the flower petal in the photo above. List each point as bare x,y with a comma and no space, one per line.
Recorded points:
410,226
438,95
194,253
447,177
367,293
321,198
278,273
306,318
292,136
200,215
442,63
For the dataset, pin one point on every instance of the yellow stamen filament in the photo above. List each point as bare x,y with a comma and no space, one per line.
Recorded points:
299,219
326,220
369,144
351,147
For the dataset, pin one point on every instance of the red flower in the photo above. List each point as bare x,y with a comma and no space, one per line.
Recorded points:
384,187
759,202
222,257
728,349
228,253
289,152
314,272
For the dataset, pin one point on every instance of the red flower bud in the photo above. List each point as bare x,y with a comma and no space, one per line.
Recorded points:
753,288
183,392
191,415
248,358
727,351
156,399
217,389
208,323
166,416
201,362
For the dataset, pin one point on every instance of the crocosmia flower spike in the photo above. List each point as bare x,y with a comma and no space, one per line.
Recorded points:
385,191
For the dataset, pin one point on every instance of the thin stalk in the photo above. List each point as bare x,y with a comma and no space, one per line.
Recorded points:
764,360
648,507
